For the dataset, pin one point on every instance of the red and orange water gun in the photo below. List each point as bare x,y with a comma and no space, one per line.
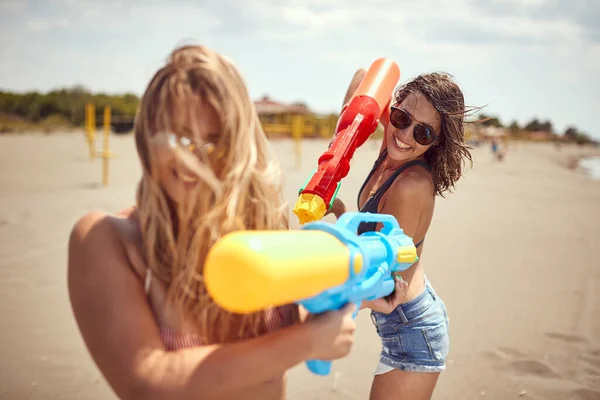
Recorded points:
358,120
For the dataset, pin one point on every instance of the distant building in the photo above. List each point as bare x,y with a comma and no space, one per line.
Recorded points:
492,131
267,106
284,120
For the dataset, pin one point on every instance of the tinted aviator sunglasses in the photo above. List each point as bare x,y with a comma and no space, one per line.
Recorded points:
423,134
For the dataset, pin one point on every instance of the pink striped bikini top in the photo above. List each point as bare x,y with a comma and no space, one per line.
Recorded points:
173,340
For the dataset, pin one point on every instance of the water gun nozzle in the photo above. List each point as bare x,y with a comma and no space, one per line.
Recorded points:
309,207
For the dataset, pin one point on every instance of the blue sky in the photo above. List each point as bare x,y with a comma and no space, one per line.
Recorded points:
525,58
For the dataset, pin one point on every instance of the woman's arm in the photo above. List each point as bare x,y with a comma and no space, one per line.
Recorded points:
359,75
121,334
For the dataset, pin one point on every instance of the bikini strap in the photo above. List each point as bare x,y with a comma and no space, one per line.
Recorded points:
380,158
386,185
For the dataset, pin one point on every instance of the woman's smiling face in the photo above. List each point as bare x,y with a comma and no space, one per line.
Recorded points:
401,144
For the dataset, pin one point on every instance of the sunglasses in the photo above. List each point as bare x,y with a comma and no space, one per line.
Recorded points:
189,152
423,134
183,143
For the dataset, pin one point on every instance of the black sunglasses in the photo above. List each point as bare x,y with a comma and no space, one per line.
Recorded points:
423,134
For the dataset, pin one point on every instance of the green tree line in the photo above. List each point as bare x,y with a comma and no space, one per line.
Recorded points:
571,133
67,107
65,104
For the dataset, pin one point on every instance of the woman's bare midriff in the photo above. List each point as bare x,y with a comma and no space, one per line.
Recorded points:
415,278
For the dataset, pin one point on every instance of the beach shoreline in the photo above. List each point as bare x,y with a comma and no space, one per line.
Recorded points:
576,154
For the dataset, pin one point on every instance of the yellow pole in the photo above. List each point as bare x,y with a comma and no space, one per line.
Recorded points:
297,128
86,122
92,135
106,146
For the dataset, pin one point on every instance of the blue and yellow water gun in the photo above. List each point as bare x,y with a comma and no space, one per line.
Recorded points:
322,266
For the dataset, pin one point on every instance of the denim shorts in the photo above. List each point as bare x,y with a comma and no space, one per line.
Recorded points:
415,336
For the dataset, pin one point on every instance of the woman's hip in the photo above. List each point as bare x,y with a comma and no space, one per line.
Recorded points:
415,336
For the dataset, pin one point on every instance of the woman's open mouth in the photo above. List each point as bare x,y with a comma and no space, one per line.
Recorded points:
189,180
400,145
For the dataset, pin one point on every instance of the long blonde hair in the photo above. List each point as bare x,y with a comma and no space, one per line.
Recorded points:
240,189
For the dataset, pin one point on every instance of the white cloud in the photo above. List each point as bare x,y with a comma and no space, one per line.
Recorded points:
520,56
45,24
12,5
166,16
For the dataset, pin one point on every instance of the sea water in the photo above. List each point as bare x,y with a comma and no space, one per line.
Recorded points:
591,166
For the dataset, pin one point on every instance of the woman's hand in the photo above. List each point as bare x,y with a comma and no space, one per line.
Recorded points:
337,208
332,333
389,303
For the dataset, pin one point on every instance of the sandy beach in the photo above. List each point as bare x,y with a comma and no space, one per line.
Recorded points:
514,252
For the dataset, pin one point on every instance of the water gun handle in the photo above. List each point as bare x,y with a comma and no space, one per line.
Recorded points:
351,221
323,367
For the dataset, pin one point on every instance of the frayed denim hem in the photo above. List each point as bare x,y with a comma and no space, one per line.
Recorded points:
411,367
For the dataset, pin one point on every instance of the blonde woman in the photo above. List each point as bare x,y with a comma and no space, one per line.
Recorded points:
135,278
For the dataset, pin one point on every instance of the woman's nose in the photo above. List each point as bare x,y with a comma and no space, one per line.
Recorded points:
406,133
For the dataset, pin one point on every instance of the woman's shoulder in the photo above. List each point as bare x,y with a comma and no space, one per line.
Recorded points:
92,227
98,233
409,198
414,181
98,225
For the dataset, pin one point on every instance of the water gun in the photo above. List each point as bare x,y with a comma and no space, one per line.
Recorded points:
322,266
358,120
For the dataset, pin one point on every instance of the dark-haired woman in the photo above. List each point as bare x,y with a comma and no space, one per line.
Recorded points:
421,157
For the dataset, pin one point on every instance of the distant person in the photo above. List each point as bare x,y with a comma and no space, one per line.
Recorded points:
422,156
495,147
499,148
136,278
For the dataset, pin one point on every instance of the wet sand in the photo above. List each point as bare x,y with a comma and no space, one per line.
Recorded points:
514,252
